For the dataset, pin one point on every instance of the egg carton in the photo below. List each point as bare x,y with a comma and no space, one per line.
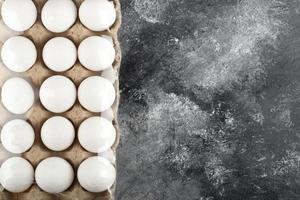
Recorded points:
37,115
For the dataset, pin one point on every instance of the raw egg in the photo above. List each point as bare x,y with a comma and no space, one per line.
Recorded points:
19,15
18,54
17,95
96,94
96,174
58,94
54,175
96,134
59,15
58,133
17,136
17,175
97,15
96,53
59,54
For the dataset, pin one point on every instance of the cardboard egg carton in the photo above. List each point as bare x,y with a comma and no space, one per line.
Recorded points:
38,114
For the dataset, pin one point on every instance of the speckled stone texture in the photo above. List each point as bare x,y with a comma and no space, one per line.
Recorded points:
210,106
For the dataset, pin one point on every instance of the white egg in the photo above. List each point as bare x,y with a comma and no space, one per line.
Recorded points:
58,133
16,175
18,54
96,134
108,114
54,175
58,94
17,95
59,15
96,94
59,54
96,53
19,15
110,74
96,174
97,15
17,136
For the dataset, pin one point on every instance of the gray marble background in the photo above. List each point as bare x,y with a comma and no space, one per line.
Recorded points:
210,106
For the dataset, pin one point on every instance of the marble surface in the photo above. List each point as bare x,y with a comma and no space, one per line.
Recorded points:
210,106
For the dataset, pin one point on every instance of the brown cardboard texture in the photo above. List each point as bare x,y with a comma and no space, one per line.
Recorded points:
38,114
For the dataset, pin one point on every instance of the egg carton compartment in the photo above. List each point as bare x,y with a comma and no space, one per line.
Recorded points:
37,115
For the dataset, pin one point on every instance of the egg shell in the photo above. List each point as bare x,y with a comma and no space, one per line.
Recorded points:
17,95
16,174
96,53
19,15
96,134
18,54
97,15
59,15
58,94
96,94
57,133
17,136
59,54
54,175
96,174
